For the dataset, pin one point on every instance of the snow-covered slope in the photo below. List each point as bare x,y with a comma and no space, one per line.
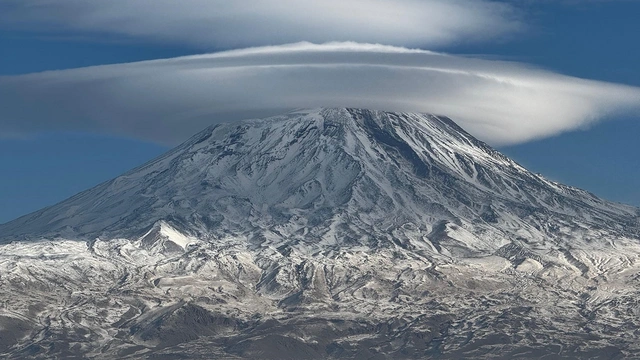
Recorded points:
324,233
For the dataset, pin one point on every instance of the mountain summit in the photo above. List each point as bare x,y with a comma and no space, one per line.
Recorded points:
325,233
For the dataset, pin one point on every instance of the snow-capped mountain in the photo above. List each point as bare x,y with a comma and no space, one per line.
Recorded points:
331,177
324,233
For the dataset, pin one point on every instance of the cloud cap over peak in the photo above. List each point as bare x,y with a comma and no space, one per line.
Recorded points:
169,100
215,24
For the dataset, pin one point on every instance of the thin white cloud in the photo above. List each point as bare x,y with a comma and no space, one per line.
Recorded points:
215,24
169,100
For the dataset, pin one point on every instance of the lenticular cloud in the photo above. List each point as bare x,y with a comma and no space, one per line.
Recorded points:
231,24
168,100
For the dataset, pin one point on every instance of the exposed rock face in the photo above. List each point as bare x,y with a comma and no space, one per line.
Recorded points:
329,233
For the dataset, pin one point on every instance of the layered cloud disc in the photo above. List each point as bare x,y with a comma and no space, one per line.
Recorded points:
169,100
231,24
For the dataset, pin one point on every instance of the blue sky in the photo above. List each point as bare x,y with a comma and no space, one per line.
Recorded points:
590,40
